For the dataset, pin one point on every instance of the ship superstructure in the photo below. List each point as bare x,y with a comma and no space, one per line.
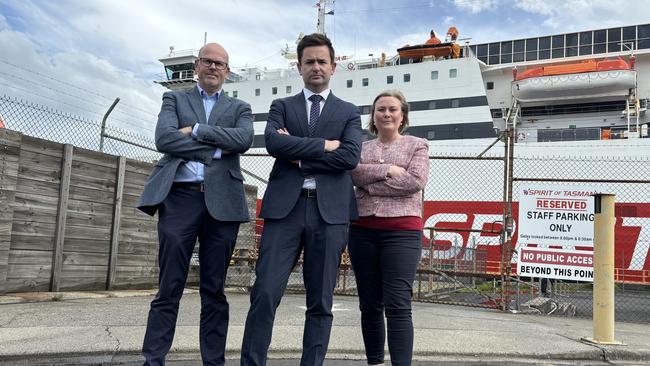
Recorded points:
589,85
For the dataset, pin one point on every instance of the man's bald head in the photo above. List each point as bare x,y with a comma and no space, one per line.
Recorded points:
212,67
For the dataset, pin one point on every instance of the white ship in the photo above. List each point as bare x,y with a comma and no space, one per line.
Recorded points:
582,86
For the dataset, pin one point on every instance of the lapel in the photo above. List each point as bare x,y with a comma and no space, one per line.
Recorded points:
196,102
219,108
326,114
300,109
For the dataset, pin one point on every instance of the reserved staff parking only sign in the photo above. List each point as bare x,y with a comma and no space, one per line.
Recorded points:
560,217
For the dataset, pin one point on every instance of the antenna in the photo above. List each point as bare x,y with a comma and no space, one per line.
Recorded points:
171,50
205,38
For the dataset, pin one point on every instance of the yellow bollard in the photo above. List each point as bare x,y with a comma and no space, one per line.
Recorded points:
603,288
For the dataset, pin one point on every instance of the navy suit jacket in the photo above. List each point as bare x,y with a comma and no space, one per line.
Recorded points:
229,127
339,120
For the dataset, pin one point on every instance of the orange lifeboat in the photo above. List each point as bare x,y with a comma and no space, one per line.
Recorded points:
605,79
424,50
575,68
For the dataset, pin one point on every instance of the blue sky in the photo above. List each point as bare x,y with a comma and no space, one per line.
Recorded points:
104,49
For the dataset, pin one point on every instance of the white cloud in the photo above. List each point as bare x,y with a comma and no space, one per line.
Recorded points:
476,6
448,20
3,23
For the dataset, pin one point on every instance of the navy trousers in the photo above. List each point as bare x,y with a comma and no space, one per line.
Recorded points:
280,247
182,218
384,264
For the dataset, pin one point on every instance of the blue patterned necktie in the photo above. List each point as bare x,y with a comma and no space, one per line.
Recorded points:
314,113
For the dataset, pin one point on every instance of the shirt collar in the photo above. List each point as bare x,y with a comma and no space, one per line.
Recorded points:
204,94
308,93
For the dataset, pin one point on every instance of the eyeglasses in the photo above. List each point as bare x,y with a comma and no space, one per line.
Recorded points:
220,65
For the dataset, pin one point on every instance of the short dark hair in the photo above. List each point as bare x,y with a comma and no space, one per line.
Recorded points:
315,39
403,104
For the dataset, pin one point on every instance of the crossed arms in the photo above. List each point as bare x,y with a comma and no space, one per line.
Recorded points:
316,155
178,142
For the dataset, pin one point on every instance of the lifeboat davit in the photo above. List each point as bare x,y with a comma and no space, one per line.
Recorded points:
586,79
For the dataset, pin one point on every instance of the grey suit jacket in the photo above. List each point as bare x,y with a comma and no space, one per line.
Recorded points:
230,127
339,120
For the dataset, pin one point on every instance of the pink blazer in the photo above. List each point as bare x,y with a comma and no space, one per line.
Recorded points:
391,197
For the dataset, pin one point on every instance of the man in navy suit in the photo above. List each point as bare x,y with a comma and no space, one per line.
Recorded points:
197,189
315,138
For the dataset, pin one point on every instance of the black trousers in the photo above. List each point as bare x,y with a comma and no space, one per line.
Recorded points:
183,217
384,264
280,247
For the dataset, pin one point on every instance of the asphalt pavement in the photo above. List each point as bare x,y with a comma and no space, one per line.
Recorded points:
89,328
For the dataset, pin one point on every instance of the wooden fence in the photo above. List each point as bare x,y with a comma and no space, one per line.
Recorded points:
68,219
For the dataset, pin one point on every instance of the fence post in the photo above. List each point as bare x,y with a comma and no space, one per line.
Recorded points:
9,158
115,228
603,288
61,214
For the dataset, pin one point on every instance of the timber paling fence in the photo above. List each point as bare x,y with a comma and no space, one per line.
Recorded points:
68,220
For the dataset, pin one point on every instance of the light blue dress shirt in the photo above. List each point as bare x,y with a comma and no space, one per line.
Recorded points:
192,171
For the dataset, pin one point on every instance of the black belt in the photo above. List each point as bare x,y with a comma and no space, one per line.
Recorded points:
309,193
192,186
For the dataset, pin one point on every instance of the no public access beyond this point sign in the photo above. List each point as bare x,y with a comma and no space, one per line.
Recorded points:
556,263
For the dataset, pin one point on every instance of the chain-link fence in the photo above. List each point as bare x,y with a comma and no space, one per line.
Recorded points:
47,123
464,258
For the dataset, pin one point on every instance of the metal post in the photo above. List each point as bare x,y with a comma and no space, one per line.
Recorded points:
603,289
103,132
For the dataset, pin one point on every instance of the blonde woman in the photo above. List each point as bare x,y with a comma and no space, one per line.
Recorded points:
385,243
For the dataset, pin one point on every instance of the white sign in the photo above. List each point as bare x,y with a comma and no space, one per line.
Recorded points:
556,215
562,264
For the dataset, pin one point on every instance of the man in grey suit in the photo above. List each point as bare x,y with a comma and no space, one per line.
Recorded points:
197,188
315,138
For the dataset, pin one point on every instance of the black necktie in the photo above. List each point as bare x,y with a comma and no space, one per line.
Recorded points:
314,113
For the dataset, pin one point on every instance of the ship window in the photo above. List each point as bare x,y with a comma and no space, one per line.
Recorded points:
407,78
544,54
614,40
431,135
288,89
518,54
629,38
349,83
506,52
455,103
434,75
257,92
432,104
365,109
453,73
496,113
585,43
644,36
531,49
472,48
274,90
364,82
600,39
389,79
545,43
489,85
571,45
482,52
494,50
225,92
557,44
234,94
